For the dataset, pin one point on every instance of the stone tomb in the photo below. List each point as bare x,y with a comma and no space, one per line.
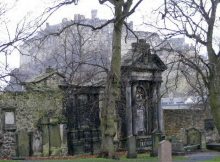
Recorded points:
141,81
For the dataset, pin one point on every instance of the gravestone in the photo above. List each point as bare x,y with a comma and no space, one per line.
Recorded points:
131,147
23,143
164,151
156,138
193,137
203,141
178,148
55,138
37,144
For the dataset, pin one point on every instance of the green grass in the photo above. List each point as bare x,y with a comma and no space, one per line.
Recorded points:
141,158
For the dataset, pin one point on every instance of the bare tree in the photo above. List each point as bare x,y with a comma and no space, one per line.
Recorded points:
23,30
122,10
197,20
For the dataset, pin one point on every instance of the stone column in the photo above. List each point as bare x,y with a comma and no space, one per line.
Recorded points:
155,109
159,108
101,98
131,140
63,135
101,105
131,99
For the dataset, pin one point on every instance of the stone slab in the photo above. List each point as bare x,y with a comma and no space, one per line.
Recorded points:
165,151
132,152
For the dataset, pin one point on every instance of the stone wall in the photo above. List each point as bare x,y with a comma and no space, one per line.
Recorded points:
29,108
8,144
188,118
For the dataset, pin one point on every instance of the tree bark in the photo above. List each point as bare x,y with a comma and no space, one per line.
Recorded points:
112,91
214,90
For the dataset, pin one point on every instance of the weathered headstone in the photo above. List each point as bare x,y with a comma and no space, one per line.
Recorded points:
132,153
37,145
23,143
164,151
55,138
203,141
156,138
178,148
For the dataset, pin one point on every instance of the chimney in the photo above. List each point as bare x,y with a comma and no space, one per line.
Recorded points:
93,14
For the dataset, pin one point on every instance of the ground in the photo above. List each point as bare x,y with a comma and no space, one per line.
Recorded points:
209,156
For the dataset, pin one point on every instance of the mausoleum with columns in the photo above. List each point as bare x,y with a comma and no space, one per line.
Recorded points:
141,81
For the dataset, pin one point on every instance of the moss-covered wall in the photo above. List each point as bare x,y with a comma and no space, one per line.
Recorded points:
32,105
188,118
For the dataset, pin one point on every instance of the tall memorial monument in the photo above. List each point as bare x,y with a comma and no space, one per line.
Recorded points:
141,81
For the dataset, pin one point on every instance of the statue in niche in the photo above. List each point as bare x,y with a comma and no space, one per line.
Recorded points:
140,111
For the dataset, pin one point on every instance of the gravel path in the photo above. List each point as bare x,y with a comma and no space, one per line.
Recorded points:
201,156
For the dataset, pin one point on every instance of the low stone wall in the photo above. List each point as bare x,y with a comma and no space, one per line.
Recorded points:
186,119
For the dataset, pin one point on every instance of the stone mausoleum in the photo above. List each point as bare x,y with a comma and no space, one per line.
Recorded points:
51,117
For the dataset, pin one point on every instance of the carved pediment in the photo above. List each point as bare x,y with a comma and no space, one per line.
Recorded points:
140,57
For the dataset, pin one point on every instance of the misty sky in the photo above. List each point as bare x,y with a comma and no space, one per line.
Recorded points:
30,9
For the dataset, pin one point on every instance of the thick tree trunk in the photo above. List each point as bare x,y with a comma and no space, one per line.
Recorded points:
214,91
215,107
112,91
